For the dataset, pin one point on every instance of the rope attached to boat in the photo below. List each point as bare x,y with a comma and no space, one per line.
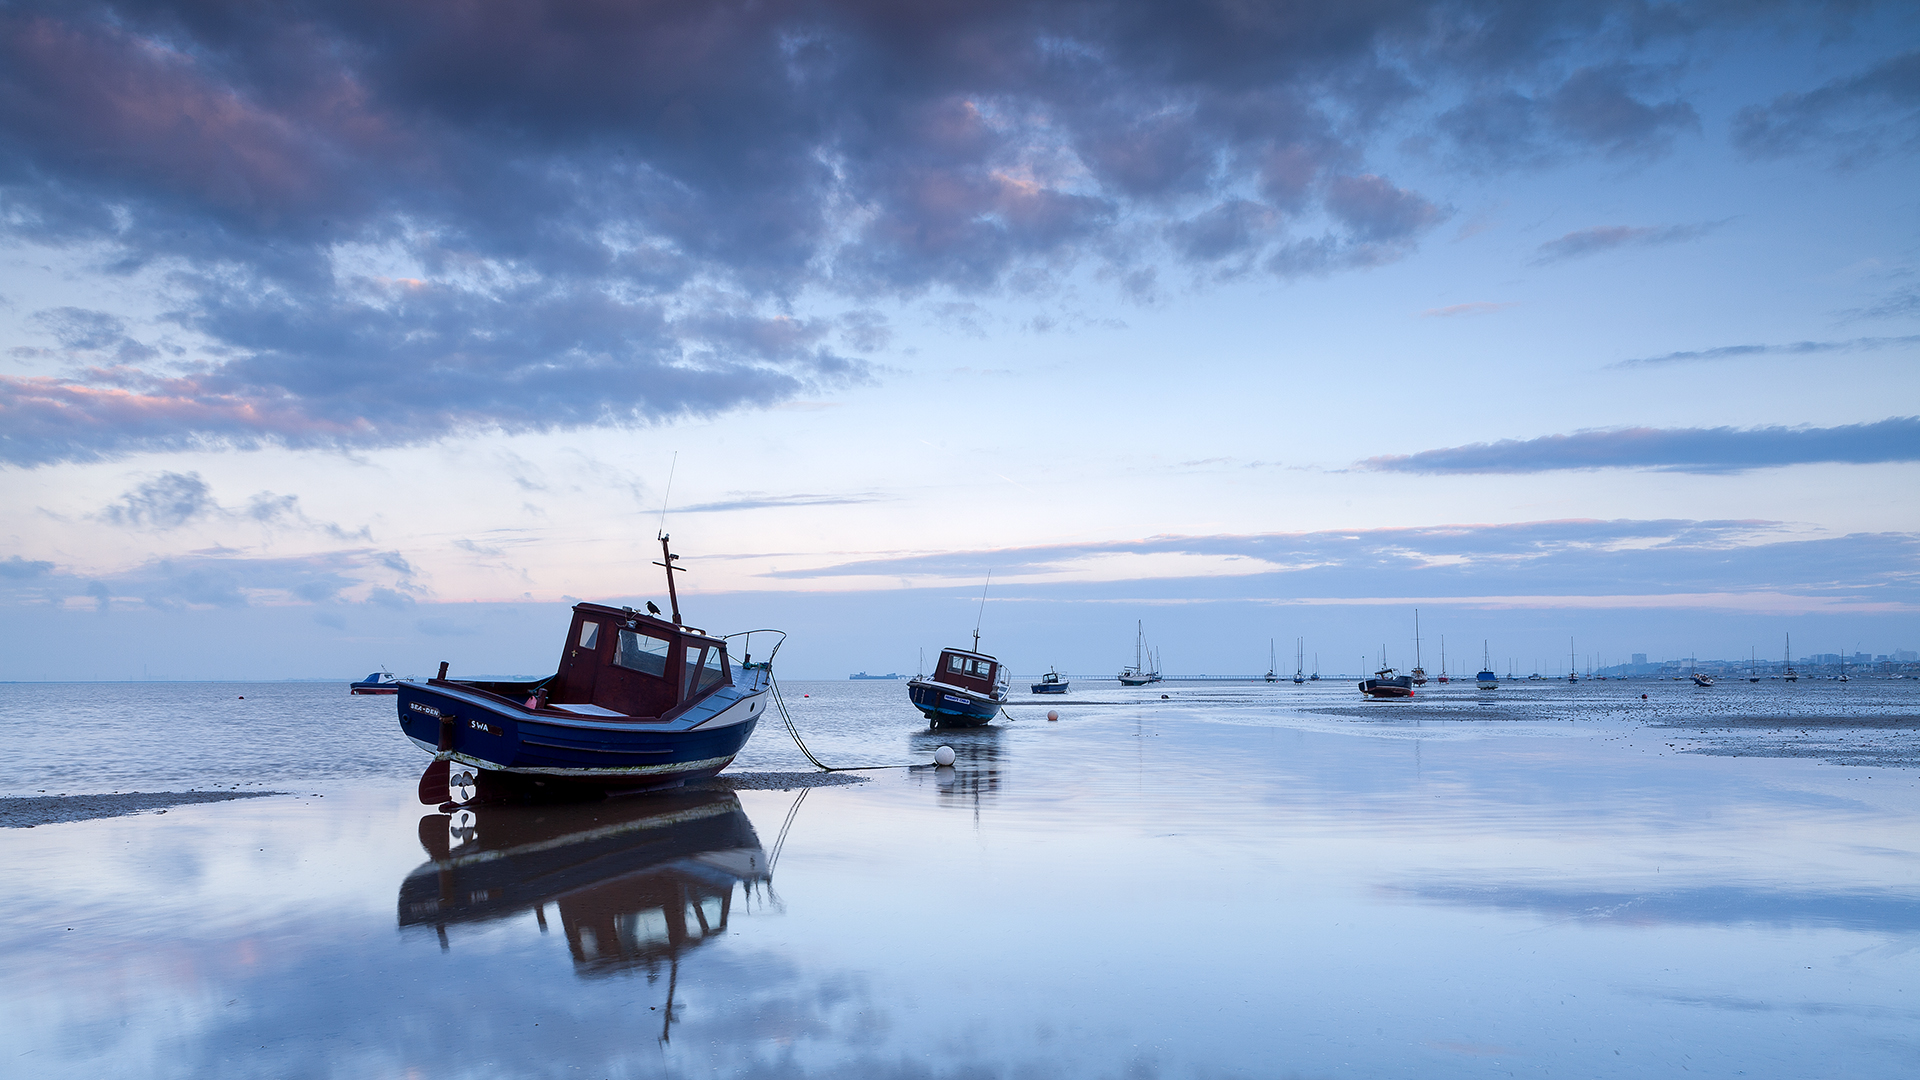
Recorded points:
801,743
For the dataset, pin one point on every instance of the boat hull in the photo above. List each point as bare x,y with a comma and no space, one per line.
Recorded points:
946,705
1050,688
614,754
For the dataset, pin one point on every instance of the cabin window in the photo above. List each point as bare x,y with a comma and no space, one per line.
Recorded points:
689,673
642,653
957,664
589,635
714,671
983,668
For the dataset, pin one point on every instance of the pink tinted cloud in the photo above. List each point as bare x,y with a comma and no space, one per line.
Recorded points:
47,419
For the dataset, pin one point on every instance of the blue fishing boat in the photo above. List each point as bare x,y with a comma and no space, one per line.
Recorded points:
1051,683
638,703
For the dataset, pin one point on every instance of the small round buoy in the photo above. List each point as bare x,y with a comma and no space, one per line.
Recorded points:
1643,697
806,695
243,697
1163,697
1052,715
943,756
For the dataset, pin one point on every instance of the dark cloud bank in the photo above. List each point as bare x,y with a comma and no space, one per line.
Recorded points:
392,221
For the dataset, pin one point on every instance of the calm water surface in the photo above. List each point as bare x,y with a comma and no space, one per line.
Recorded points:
1236,881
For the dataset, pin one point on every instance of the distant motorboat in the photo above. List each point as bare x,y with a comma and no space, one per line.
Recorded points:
1386,684
863,675
376,682
1050,683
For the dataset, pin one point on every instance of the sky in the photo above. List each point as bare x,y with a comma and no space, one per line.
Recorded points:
350,336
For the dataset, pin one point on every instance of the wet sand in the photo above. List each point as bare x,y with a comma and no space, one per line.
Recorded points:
25,813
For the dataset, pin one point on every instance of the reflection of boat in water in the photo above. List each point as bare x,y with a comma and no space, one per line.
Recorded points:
1051,683
975,775
376,682
638,702
635,882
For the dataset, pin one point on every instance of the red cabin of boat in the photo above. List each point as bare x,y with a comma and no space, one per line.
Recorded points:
632,664
967,670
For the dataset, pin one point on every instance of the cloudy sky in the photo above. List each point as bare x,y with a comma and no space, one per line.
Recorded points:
358,334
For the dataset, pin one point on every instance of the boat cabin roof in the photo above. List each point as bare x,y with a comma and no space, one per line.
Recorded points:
633,664
968,653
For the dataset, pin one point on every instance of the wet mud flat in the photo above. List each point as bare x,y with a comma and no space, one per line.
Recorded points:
1864,725
27,812
1883,741
776,781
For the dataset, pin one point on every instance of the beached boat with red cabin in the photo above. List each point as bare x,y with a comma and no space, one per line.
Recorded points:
638,703
966,689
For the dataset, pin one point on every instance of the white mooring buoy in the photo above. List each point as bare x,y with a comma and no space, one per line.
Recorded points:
943,756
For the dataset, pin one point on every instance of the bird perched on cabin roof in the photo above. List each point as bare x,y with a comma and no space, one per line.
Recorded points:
653,608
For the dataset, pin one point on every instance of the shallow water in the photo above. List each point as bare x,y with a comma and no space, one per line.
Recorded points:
1231,881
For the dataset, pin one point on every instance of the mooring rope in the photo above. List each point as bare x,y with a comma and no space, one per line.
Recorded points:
801,743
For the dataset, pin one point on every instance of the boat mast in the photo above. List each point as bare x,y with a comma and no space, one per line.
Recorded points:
673,596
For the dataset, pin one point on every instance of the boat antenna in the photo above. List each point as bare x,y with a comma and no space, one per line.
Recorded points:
983,611
668,495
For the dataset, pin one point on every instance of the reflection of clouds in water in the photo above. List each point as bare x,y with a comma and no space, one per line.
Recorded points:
1882,912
